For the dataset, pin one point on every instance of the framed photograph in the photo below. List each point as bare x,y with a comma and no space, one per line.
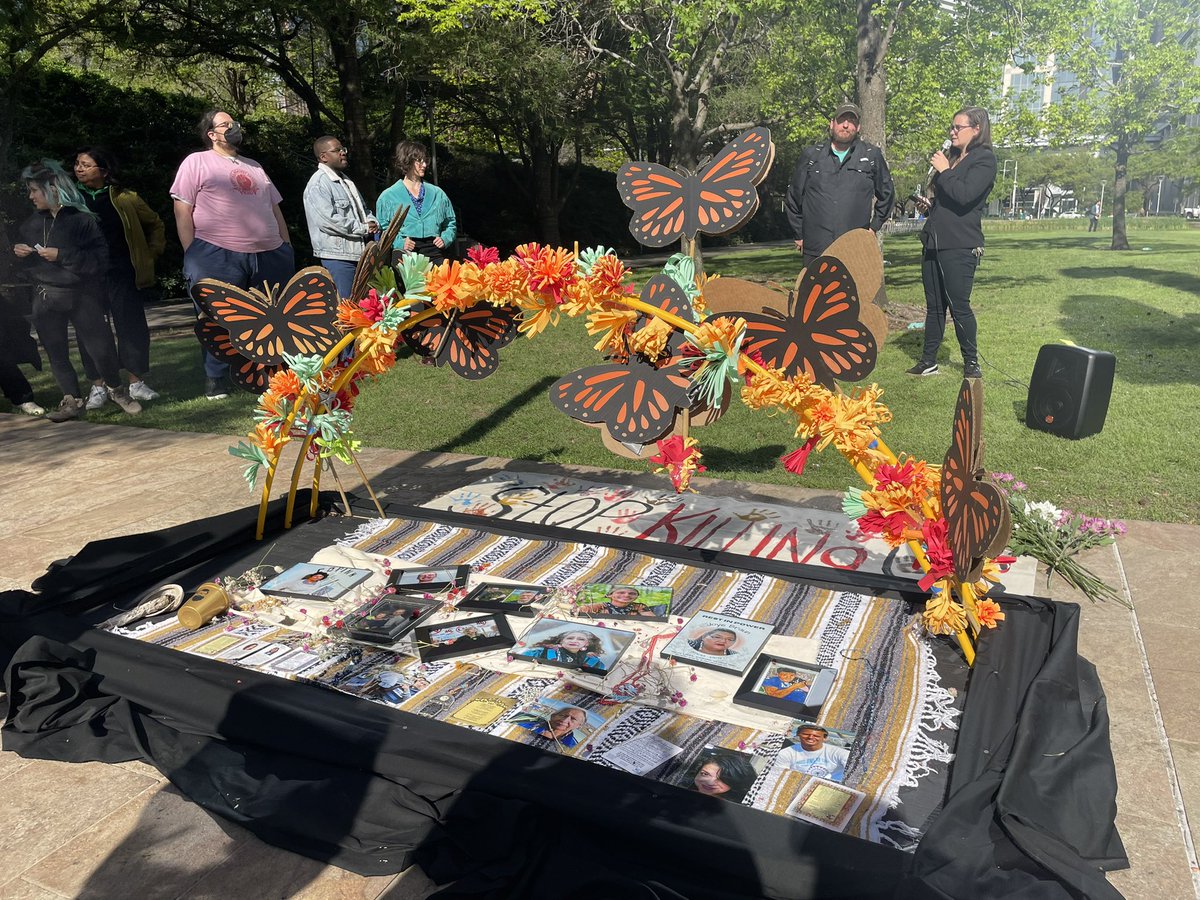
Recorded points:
717,641
826,803
557,722
573,645
786,686
814,749
309,581
624,601
386,620
478,635
718,772
429,579
510,599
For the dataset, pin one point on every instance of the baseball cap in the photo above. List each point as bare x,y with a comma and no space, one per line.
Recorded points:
851,108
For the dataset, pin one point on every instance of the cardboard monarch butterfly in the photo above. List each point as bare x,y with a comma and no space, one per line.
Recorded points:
669,206
635,400
299,318
466,341
978,521
822,335
246,373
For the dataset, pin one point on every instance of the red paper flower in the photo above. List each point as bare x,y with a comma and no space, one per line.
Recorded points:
481,255
937,551
795,461
680,459
372,306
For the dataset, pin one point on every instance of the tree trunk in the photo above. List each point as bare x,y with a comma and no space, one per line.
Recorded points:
344,48
397,126
543,176
871,77
1120,241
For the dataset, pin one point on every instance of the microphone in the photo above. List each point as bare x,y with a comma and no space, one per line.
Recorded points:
919,194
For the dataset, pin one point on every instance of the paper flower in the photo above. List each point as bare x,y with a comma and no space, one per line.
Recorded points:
482,256
651,339
680,459
614,323
943,614
253,454
413,267
988,613
719,341
795,461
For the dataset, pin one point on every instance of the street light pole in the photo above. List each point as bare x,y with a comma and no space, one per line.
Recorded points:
1158,199
1102,198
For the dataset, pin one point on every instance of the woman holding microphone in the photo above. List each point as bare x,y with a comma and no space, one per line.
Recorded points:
953,237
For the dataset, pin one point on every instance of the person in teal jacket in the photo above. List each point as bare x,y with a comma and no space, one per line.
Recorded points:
430,226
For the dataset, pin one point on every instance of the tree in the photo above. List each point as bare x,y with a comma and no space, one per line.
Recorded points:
1136,75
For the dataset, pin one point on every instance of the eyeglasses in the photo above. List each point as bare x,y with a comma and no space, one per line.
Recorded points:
224,126
338,150
954,129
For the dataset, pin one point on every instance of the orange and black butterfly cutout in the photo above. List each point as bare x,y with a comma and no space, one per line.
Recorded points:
668,206
468,342
298,318
636,401
247,373
978,522
822,335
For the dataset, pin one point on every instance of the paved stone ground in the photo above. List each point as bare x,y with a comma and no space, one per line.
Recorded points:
96,830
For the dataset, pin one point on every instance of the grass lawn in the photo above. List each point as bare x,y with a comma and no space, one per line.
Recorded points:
1033,288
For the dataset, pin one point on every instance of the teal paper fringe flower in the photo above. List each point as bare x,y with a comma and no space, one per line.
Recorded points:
307,368
255,456
413,267
331,425
852,503
587,259
393,312
718,369
682,269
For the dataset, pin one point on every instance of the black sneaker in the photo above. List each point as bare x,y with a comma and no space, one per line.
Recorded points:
923,368
971,369
215,389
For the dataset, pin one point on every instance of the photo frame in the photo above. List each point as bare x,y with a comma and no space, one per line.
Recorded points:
721,772
626,600
429,579
786,686
463,637
510,599
386,620
573,645
717,641
556,721
310,581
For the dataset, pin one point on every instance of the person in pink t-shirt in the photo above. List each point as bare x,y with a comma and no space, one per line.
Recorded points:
229,222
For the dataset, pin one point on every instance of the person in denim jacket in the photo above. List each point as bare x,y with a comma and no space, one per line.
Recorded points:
339,224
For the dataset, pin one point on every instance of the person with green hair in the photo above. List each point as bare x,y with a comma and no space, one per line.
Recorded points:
63,252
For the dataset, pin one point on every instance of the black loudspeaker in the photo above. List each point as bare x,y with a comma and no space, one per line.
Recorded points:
1069,391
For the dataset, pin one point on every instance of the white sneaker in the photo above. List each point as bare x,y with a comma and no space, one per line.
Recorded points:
139,390
97,397
31,409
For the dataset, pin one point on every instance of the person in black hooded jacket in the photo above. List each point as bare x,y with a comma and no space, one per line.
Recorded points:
63,252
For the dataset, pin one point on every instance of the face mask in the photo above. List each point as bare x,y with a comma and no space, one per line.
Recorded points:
234,135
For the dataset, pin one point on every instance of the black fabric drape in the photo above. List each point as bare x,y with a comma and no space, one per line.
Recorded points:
373,789
1033,788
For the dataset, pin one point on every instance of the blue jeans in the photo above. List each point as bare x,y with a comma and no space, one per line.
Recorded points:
245,270
342,271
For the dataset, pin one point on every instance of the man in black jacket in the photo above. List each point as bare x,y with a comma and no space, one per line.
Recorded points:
838,186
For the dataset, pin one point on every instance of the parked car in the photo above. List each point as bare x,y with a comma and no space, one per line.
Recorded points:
1191,212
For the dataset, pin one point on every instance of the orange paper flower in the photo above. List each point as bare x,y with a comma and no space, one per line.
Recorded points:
988,613
285,384
651,339
614,323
